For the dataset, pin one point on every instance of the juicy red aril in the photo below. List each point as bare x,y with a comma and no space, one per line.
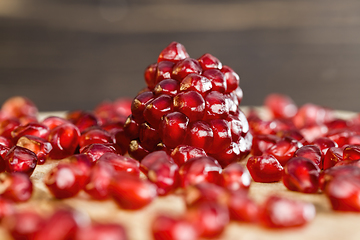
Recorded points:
311,152
173,52
96,150
185,67
200,135
204,192
351,152
171,228
83,163
279,212
324,144
161,169
262,142
216,106
355,163
265,168
149,136
54,121
132,192
174,128
164,71
312,132
200,169
235,177
310,114
94,135
221,135
85,121
337,171
232,79
343,193
39,146
121,139
155,109
111,231
217,79
242,208
150,75
131,127
19,159
302,175
7,126
182,153
168,87
16,187
208,61
332,156
191,103
231,154
139,103
64,140
292,133
99,181
19,107
63,180
34,129
6,142
196,82
281,106
121,163
284,149
136,150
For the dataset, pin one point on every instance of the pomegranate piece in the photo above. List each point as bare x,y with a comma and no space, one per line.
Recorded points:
94,135
190,103
265,168
169,87
83,163
164,71
217,79
204,192
232,80
284,149
221,135
216,106
7,126
131,127
121,163
99,181
54,121
198,170
311,114
182,153
19,159
279,212
341,136
332,157
351,152
136,150
302,175
132,192
196,82
33,129
64,140
24,224
155,109
139,104
19,107
208,61
150,75
5,142
281,106
312,132
173,52
96,150
63,180
83,120
111,231
174,128
324,144
337,171
121,139
343,193
16,186
171,228
262,142
149,136
200,135
39,146
292,133
235,177
242,208
184,67
311,152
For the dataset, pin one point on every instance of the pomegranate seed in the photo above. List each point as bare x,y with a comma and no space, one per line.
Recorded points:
184,67
131,128
312,132
191,103
16,187
311,152
138,105
121,163
149,137
7,208
221,133
200,169
340,136
19,107
7,126
182,153
265,168
121,139
136,150
337,171
39,146
216,106
242,208
85,121
34,129
205,192
292,133
281,106
337,124
164,71
156,109
150,75
53,121
283,213
355,163
173,52
351,152
3,151
64,140
174,128
200,135
6,142
310,114
233,153
238,126
332,156
235,177
111,231
208,61
302,175
232,80
19,159
83,163
63,180
262,142
217,79
96,150
94,135
284,149
169,87
99,181
324,144
171,228
132,192
196,82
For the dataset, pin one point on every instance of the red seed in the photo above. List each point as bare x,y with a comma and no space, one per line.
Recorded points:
200,135
284,149
208,61
265,168
164,71
150,75
337,171
34,129
235,177
242,208
173,52
311,152
205,192
121,163
332,156
94,135
262,142
190,103
19,107
19,159
196,82
351,152
167,86
96,150
184,67
173,129
232,80
64,140
182,153
216,106
54,121
39,146
155,109
217,79
281,106
221,135
16,187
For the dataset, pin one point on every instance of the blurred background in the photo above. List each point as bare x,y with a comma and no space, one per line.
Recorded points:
74,54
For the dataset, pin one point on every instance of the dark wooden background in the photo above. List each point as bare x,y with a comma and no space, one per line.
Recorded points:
73,54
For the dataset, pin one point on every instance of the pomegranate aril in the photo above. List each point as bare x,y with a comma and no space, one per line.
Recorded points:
5,142
198,170
324,144
174,128
83,163
19,107
292,133
98,231
132,192
136,150
121,139
208,61
280,106
34,129
94,135
351,152
217,79
311,114
7,126
265,168
337,171
231,154
302,175
149,137
200,135
216,106
232,80
7,208
182,153
284,149
341,136
332,156
313,132
190,103
196,82
85,121
64,140
131,127
96,150
311,152
16,187
205,192
170,228
150,75
121,163
19,159
355,163
262,142
139,104
221,135
173,52
168,87
279,212
164,71
235,177
39,146
155,109
54,121
337,124
184,67
242,208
